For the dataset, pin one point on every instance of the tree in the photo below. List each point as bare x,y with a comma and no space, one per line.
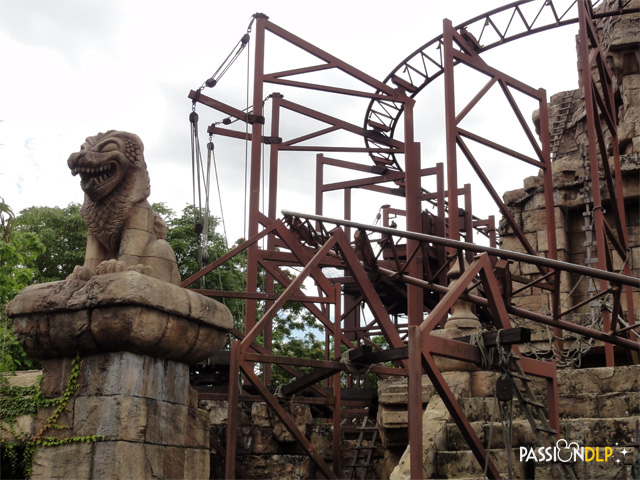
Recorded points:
41,244
64,235
185,240
18,254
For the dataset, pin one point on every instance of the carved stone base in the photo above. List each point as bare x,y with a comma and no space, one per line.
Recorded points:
125,311
136,336
143,408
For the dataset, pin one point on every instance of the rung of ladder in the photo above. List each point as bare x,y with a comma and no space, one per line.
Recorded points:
356,429
552,431
521,377
533,402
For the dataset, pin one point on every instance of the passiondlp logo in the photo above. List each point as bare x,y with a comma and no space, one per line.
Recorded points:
566,452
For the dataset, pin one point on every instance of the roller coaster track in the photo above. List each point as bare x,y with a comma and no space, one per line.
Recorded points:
489,30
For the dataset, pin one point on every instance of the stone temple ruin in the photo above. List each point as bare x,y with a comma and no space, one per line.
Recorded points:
455,346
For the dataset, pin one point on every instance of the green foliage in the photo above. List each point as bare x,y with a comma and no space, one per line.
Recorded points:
293,335
17,456
12,355
64,235
41,244
185,241
69,392
19,400
304,345
19,252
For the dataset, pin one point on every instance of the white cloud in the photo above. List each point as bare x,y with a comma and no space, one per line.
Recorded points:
66,26
77,67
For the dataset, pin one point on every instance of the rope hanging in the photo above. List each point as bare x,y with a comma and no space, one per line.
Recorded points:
506,419
352,368
486,355
503,394
211,151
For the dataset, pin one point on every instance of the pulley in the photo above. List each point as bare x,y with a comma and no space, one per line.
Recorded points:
504,388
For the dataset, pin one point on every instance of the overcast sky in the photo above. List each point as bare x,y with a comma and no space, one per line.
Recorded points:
72,68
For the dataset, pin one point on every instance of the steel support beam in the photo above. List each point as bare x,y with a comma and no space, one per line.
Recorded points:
599,103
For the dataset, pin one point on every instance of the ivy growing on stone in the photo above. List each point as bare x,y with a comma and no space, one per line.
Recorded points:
15,401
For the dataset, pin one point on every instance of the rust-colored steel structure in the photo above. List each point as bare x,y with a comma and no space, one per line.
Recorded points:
403,273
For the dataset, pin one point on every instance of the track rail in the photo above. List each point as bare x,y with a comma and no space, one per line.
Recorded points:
489,30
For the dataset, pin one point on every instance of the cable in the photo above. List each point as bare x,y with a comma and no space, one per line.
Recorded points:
246,148
213,80
193,127
215,172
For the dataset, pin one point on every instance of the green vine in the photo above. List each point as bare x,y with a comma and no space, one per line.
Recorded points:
16,401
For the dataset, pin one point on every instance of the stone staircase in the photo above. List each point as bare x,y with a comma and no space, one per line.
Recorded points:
599,407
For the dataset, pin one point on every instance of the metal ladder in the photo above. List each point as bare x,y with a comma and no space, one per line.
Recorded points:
361,461
536,414
558,126
587,228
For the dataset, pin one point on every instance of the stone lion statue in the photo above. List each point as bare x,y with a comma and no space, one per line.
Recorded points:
124,233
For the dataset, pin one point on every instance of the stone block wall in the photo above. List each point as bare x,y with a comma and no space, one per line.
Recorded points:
142,408
598,407
266,449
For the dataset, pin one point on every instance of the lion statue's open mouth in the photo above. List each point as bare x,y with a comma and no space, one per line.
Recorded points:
94,178
124,233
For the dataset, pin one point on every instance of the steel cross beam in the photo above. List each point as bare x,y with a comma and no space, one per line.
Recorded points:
459,48
421,340
242,361
286,419
465,53
496,252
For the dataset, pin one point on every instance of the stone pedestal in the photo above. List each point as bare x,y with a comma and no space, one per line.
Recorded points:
144,410
461,323
135,336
